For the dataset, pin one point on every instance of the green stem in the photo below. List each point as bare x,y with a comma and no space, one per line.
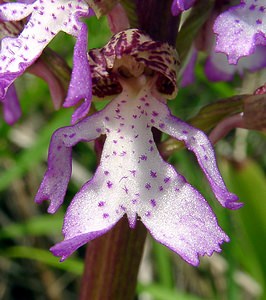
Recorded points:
112,263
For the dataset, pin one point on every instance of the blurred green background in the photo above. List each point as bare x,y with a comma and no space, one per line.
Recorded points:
29,271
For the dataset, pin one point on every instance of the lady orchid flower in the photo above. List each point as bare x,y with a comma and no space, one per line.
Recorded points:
132,178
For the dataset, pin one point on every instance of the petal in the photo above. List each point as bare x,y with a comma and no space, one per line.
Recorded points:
90,215
11,106
178,6
57,176
80,84
14,11
45,22
217,67
240,29
197,142
184,222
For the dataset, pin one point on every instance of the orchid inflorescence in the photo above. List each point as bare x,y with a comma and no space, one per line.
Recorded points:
140,75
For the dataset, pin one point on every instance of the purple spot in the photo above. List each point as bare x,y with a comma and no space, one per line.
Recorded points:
185,131
160,188
152,121
133,172
106,172
107,118
72,135
153,174
148,186
134,116
134,201
143,157
153,202
155,114
151,149
98,130
166,179
125,189
109,184
105,215
150,141
148,214
123,153
161,125
133,126
262,8
122,207
101,204
205,157
123,101
114,152
117,110
259,21
136,136
59,148
252,7
115,141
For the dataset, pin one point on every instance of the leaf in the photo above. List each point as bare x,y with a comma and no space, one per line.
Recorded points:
41,225
72,265
161,293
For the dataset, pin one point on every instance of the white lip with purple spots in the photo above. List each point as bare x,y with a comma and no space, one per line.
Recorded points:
133,179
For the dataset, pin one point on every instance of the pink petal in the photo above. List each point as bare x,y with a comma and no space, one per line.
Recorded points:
80,84
57,176
185,223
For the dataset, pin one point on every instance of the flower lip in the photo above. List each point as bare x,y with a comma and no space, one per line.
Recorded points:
133,53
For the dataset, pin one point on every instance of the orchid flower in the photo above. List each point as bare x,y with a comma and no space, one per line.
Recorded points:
132,178
218,67
241,29
178,6
47,19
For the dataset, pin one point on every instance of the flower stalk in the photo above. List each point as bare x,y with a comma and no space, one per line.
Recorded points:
112,263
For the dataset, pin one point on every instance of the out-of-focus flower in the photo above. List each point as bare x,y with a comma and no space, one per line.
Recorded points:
241,29
132,178
178,6
218,67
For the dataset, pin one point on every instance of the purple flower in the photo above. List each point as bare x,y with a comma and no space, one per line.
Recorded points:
241,29
178,6
217,66
18,53
132,178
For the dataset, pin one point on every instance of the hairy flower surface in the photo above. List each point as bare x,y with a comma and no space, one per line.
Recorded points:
240,29
132,178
